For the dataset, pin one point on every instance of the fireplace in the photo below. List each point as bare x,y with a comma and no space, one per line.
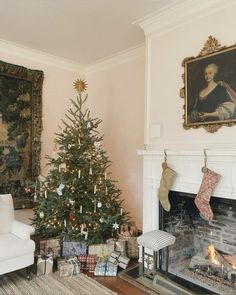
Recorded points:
198,233
205,251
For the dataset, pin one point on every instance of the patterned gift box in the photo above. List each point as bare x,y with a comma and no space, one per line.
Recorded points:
44,264
105,269
68,267
87,262
72,248
119,245
119,259
101,250
50,246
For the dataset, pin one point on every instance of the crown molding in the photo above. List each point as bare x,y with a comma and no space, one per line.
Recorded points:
116,59
179,14
40,56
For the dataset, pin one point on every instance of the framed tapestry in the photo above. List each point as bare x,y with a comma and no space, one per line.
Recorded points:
209,90
20,130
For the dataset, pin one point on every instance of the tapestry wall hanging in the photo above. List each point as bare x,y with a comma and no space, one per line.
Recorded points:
20,129
209,90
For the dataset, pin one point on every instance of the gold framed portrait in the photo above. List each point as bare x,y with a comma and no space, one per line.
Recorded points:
209,90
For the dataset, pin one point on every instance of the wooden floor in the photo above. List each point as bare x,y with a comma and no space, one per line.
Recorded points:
120,286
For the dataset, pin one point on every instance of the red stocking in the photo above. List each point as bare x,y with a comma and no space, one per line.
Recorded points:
209,182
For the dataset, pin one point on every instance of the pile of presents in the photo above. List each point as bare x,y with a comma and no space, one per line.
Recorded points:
73,257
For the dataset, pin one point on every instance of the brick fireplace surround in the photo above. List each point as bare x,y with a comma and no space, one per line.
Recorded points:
187,165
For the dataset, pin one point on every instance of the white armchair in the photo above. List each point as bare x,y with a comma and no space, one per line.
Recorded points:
16,247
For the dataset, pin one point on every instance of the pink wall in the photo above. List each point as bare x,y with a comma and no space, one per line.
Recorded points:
116,95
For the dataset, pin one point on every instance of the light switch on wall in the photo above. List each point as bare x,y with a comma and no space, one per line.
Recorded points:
155,130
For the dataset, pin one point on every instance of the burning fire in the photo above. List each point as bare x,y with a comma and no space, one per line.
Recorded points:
212,254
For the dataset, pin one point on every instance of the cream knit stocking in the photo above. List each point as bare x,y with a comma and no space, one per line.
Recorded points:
167,180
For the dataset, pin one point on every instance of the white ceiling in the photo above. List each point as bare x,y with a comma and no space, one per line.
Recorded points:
80,30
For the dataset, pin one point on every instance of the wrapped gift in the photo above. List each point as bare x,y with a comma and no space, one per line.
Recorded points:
118,244
50,246
105,269
72,248
68,267
91,262
101,250
119,259
44,264
83,261
87,262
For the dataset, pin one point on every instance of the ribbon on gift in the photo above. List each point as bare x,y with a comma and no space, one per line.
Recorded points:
116,262
101,255
46,258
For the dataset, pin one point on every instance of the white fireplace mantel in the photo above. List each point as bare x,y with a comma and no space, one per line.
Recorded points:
187,165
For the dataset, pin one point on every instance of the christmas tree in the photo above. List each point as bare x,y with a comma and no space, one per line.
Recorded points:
77,200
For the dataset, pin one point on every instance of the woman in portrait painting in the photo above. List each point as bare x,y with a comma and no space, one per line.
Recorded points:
215,102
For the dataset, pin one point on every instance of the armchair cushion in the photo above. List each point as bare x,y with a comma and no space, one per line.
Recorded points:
21,230
6,213
15,246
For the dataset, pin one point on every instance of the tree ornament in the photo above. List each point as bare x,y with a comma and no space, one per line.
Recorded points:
99,205
95,206
90,171
41,214
69,146
27,190
72,216
83,232
108,205
35,197
115,225
80,86
101,220
81,209
60,188
97,144
79,174
45,194
71,202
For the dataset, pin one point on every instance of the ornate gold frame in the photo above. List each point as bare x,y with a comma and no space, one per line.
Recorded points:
211,51
35,80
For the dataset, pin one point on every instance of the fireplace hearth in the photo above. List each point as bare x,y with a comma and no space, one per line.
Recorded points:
204,253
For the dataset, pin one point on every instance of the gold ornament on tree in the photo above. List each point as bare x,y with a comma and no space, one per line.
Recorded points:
80,85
